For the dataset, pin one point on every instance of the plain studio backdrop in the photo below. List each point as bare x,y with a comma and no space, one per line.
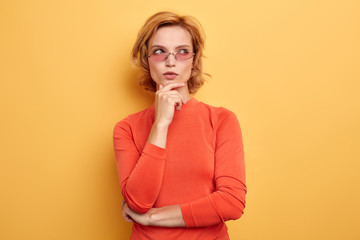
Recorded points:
290,71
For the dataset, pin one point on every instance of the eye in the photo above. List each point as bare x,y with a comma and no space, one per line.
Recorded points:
183,51
159,51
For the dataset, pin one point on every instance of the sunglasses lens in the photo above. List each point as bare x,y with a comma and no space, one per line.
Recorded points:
183,55
158,57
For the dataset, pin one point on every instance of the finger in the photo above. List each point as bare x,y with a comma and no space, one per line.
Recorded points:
125,214
175,101
172,86
178,105
161,86
129,219
172,93
163,90
124,205
125,210
176,93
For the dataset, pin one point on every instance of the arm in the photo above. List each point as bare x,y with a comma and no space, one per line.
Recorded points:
135,169
225,203
168,216
145,169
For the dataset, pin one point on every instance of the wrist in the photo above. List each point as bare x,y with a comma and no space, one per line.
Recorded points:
158,134
161,125
151,217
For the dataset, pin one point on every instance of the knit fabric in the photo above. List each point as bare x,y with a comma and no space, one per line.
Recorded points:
201,169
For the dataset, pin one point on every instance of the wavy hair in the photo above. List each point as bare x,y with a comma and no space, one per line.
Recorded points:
139,52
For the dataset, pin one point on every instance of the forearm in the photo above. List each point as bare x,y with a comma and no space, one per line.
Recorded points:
219,206
136,168
168,216
158,134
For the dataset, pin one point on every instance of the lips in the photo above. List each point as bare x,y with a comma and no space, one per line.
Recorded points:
170,75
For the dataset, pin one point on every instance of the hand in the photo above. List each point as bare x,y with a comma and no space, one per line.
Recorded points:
134,217
125,212
167,216
166,99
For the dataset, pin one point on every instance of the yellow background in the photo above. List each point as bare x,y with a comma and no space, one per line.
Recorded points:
288,69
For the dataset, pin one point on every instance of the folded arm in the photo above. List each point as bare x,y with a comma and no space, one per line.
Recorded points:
136,169
227,202
146,169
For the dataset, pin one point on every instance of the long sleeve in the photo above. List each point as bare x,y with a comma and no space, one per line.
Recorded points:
227,202
140,171
202,169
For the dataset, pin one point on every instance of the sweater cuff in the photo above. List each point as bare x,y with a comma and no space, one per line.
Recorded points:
154,151
188,215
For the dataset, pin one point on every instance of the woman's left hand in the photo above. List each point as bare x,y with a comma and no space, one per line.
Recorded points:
132,217
126,212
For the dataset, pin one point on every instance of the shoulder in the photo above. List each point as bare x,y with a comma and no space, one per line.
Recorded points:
223,120
226,126
220,115
133,120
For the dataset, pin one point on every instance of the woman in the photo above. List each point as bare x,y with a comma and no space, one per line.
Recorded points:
181,161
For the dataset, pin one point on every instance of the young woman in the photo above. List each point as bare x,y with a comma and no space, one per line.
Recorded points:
181,161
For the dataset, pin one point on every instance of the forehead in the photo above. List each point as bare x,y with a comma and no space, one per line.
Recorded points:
171,36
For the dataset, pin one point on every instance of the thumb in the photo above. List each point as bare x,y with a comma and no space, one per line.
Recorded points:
160,86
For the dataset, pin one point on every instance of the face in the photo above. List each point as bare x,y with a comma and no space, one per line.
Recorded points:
171,39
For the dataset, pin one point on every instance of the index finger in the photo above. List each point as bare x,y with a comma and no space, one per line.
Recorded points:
172,85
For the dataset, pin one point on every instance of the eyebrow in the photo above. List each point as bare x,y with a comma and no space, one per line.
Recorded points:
181,46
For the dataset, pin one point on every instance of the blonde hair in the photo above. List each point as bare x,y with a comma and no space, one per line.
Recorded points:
152,24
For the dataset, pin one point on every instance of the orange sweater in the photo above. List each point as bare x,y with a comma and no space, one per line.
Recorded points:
202,169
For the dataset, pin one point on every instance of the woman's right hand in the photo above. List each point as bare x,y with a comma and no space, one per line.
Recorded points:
166,99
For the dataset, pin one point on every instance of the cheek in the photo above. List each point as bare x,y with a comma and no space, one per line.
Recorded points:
187,70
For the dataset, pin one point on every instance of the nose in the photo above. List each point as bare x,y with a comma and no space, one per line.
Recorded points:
170,60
